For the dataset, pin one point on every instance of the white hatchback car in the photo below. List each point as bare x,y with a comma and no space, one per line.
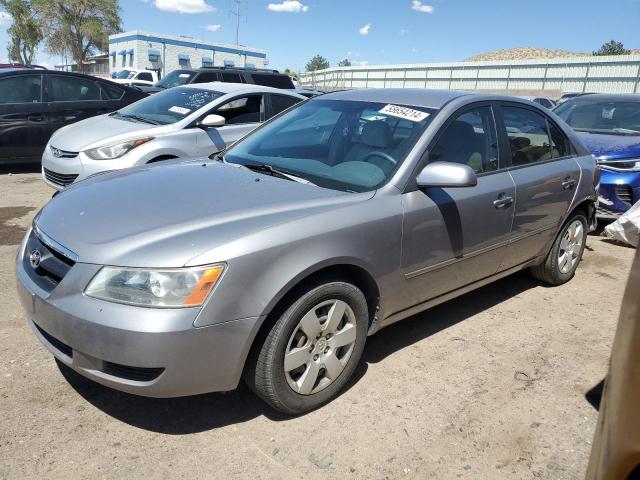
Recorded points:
188,121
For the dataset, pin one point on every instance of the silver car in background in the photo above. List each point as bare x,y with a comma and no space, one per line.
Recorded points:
275,261
188,121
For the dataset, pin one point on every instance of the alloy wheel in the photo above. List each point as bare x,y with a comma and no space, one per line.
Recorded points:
570,246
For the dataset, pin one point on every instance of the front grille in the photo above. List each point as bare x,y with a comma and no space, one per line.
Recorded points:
137,374
60,179
62,153
57,344
625,194
53,267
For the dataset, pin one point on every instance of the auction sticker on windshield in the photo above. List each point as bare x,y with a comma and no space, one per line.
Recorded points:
404,113
180,110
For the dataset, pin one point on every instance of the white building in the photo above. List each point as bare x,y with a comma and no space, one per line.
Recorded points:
165,53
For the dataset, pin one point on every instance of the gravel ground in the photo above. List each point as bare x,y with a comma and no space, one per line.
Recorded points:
489,386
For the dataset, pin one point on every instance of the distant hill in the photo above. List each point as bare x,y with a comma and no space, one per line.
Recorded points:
525,53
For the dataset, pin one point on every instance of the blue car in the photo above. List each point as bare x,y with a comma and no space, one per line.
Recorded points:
609,125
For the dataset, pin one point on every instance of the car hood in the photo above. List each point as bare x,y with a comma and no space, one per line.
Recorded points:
79,136
611,147
164,215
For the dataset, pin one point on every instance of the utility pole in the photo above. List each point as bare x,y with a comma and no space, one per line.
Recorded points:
236,14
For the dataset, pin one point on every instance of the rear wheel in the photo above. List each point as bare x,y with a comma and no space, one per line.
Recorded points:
312,350
562,261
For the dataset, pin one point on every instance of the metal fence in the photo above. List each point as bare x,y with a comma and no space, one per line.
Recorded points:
610,74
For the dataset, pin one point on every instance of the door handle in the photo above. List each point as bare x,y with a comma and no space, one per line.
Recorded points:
503,201
568,183
36,117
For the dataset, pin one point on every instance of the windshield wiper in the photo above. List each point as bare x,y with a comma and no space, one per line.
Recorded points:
276,172
138,118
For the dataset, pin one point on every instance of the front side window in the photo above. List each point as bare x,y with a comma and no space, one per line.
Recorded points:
585,114
21,89
242,110
231,77
280,103
169,106
206,77
146,76
470,139
528,136
344,145
73,89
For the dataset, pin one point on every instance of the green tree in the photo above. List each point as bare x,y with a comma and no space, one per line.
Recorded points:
80,27
612,48
24,33
317,63
344,63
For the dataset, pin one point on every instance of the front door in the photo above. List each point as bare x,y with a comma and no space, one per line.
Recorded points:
454,237
24,121
545,173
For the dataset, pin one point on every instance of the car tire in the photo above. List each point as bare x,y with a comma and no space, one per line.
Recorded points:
564,257
324,331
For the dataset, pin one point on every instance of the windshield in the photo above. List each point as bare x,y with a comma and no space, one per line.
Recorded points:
602,116
169,106
343,145
124,74
176,78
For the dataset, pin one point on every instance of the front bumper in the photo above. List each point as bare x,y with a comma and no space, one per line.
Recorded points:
60,172
619,190
144,351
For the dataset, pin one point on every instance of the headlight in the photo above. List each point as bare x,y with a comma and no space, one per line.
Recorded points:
115,150
178,287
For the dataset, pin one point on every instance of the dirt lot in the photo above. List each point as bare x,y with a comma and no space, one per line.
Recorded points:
489,386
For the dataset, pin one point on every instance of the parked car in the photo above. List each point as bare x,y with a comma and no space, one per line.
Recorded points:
610,127
193,120
34,103
544,101
569,96
135,78
184,76
319,228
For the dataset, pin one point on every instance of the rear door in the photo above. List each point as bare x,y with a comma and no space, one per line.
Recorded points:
545,172
24,121
74,98
455,236
242,114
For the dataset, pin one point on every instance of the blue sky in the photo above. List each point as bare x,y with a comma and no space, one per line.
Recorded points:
384,31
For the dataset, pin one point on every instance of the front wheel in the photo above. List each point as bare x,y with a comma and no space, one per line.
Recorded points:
562,261
312,350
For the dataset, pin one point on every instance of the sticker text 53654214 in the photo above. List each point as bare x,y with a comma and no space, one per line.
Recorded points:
404,112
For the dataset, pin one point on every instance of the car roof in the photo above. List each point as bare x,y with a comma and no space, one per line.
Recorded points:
624,97
421,97
227,87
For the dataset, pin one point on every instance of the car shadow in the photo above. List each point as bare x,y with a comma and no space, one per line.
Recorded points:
185,415
13,169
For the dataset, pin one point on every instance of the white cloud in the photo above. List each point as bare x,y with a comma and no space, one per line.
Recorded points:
213,27
5,19
363,63
290,6
403,32
421,7
365,30
184,6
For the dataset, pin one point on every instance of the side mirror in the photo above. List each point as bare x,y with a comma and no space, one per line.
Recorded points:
447,175
213,120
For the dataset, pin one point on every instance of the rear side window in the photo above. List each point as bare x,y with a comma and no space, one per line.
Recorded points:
272,80
111,91
280,103
231,77
73,89
21,89
471,140
528,136
560,146
207,77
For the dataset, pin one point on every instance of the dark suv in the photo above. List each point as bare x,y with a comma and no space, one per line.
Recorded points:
266,78
34,103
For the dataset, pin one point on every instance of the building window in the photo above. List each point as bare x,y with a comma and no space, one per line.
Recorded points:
183,60
131,60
